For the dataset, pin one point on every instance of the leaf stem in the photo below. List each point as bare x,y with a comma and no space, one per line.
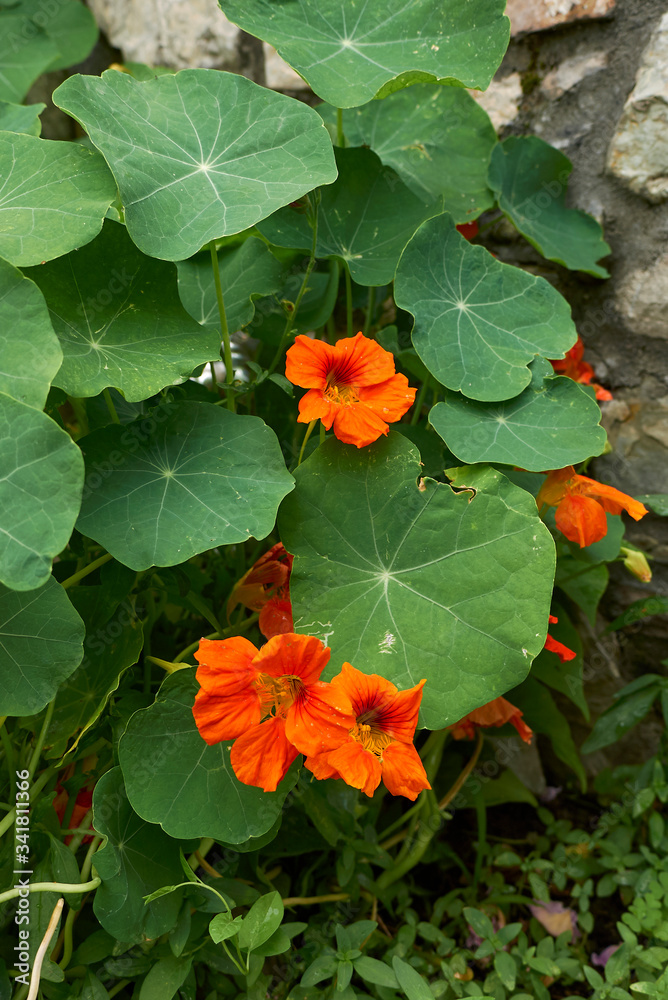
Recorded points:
224,329
110,405
349,300
64,887
370,306
332,897
42,950
307,435
449,796
302,291
90,568
419,402
37,752
340,137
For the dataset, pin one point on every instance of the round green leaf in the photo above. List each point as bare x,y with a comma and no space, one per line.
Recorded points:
40,493
135,860
478,323
438,139
30,354
246,273
415,582
555,422
184,479
365,218
41,645
530,179
198,154
24,55
175,779
72,28
20,117
54,197
120,321
350,51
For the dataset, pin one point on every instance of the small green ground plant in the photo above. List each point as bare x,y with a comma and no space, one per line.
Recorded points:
169,284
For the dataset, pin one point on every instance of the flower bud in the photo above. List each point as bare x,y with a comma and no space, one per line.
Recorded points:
636,562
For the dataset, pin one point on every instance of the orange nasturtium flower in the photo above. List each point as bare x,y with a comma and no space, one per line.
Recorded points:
266,588
353,387
269,701
554,646
582,504
494,713
572,366
379,742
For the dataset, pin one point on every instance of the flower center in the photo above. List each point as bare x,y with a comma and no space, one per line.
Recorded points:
370,737
336,392
277,694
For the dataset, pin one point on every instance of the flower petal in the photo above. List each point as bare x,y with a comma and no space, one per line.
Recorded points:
364,691
390,399
358,767
224,717
308,362
291,655
314,406
320,767
319,719
581,519
612,500
403,773
358,424
361,361
553,489
276,617
262,755
226,665
563,652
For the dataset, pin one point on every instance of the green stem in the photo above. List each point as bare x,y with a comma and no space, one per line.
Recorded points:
302,291
419,402
370,306
90,568
68,942
307,435
118,987
110,405
203,609
60,887
349,300
340,137
224,329
37,752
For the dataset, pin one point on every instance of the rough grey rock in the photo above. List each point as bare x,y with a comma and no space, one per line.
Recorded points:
169,32
642,299
638,154
571,71
538,15
501,100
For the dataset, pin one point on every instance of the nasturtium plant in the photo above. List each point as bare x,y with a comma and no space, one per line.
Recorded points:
294,492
